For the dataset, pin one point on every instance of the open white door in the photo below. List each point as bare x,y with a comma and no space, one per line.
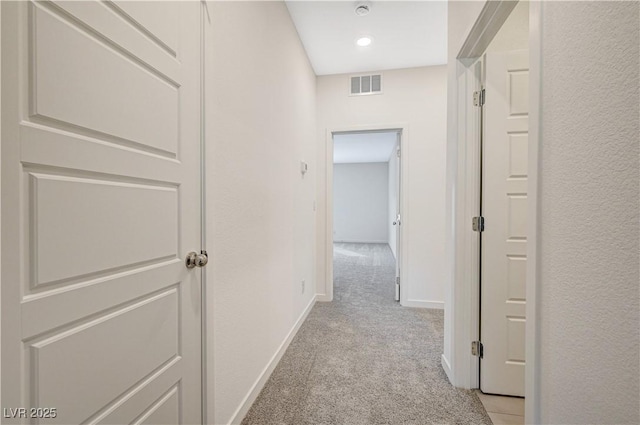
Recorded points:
397,220
100,204
504,207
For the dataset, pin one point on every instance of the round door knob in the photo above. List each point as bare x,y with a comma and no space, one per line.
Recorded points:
196,260
395,222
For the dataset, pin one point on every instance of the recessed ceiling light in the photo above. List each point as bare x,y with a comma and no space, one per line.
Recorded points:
363,41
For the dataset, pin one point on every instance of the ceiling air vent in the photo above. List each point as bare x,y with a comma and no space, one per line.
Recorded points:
366,84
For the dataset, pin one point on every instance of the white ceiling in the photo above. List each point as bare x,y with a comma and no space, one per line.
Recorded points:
405,34
363,147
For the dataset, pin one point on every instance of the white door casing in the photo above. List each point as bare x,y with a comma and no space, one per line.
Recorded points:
100,204
398,217
504,207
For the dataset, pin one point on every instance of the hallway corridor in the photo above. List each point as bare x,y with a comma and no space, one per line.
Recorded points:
363,359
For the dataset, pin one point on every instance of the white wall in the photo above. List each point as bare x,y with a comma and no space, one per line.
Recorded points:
393,166
415,96
589,214
261,116
361,202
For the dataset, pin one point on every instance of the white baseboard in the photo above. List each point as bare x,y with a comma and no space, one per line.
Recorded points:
250,398
357,241
438,305
447,368
394,254
323,298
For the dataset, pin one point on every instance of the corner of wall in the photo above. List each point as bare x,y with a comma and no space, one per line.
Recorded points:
262,379
447,368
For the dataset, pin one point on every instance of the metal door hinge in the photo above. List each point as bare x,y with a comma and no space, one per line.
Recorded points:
477,349
398,280
478,98
477,224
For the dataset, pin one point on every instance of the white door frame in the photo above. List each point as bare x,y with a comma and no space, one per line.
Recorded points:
397,219
206,299
206,62
0,203
403,128
466,281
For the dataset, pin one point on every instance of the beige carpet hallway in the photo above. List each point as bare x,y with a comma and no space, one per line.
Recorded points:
363,359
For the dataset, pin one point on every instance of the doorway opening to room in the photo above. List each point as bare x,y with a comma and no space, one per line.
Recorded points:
366,212
503,72
499,161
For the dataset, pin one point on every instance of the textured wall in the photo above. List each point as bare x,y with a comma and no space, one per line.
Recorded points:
361,202
260,224
589,214
416,96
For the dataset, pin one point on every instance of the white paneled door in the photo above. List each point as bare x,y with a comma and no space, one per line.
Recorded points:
504,206
101,318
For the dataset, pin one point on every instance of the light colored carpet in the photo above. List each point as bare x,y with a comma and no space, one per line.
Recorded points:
363,359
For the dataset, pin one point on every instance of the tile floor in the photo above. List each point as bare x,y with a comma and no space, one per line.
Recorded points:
503,410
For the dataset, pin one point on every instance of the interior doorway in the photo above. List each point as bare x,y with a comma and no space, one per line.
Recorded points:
366,205
502,27
502,103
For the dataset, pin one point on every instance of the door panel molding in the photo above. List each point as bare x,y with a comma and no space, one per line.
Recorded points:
505,205
103,76
100,204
